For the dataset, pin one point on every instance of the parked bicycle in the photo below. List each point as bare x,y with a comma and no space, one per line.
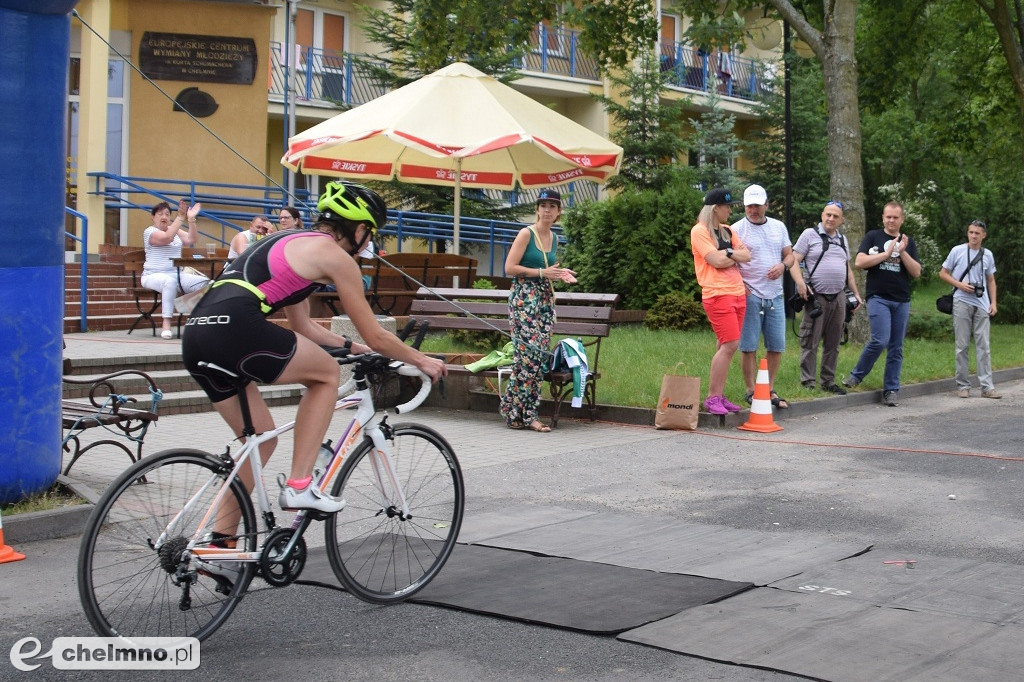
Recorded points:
150,566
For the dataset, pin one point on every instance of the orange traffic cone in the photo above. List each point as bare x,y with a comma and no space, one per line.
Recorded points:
7,554
761,407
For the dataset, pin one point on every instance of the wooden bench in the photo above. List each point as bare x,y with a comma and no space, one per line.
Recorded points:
104,406
392,291
582,315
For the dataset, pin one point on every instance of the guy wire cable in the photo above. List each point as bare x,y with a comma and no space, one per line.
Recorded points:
263,174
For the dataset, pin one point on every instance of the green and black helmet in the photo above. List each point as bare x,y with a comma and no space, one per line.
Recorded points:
343,200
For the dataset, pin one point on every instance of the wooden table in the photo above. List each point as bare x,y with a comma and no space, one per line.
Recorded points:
211,266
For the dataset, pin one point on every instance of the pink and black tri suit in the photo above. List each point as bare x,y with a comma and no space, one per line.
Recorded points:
229,326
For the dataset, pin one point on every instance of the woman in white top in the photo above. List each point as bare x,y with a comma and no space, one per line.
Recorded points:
163,241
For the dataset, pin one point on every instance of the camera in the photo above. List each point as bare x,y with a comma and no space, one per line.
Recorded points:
813,307
851,303
979,290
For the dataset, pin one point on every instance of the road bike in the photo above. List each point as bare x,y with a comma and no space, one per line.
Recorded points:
150,565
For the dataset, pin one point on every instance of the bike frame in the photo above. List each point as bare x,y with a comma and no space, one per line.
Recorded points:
364,421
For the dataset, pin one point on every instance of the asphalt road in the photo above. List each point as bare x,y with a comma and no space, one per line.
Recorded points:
871,474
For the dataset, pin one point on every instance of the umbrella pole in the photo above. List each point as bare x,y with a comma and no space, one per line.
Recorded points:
458,201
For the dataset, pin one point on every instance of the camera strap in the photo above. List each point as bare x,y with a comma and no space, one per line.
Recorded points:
970,263
825,243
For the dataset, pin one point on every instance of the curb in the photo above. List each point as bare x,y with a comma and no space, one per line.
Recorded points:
51,524
483,401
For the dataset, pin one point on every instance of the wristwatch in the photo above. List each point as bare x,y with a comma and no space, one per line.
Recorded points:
728,253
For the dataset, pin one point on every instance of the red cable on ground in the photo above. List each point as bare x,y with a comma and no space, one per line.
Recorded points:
857,447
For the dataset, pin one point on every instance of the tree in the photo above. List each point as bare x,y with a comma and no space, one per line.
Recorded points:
832,39
1008,20
649,130
421,37
809,175
715,141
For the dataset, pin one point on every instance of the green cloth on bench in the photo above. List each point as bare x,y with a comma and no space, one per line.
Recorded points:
493,360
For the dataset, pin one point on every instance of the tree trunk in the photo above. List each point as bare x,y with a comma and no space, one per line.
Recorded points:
1010,29
834,48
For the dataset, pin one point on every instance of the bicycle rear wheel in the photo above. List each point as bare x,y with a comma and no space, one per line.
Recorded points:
376,554
133,584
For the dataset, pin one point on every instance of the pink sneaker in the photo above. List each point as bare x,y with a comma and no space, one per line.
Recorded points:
714,405
732,407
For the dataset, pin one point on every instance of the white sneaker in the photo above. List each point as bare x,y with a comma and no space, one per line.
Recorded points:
167,334
309,498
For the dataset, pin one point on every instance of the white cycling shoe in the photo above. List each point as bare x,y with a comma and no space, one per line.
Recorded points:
310,497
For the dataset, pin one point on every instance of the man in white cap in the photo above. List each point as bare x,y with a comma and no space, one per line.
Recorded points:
770,256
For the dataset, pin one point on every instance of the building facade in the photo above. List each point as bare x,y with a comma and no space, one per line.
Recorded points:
137,64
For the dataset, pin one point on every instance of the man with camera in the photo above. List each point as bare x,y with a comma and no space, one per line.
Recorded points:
890,259
823,295
974,302
770,255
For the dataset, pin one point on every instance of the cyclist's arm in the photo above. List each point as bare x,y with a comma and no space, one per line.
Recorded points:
318,261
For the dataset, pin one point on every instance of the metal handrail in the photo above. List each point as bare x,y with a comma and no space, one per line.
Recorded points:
83,322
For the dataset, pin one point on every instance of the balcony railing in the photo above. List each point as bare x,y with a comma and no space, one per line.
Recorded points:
330,78
691,69
322,77
556,51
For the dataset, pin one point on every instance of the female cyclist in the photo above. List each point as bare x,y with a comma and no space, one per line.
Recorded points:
229,328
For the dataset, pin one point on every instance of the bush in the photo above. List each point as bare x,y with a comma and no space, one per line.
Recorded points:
636,244
937,327
676,310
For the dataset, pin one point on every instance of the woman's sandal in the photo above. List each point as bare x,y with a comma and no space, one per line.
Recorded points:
778,402
515,425
539,426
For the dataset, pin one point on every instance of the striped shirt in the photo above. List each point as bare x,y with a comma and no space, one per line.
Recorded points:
160,258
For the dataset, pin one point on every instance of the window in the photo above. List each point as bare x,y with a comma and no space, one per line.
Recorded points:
116,143
320,41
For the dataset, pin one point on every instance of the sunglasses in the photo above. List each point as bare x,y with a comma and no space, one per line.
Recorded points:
979,223
832,202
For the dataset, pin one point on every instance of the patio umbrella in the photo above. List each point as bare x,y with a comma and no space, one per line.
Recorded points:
456,127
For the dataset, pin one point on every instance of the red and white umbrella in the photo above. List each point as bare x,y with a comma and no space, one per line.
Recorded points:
456,127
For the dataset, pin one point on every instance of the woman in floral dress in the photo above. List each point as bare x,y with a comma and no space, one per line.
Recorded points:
532,264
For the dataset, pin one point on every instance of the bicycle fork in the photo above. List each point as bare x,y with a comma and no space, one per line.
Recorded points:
381,458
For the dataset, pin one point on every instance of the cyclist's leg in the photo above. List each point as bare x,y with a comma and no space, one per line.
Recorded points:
312,367
231,411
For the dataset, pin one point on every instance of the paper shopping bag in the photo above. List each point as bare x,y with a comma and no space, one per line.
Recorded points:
679,402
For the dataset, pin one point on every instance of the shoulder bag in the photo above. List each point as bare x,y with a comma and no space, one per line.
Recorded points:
944,304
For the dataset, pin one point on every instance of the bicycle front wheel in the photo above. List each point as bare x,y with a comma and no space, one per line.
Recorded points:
379,554
135,578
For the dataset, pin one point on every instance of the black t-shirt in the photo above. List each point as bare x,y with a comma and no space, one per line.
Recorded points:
889,279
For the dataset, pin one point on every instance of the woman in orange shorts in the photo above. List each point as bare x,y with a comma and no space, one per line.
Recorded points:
716,251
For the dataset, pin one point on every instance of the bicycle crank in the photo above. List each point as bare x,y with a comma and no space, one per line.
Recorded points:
278,566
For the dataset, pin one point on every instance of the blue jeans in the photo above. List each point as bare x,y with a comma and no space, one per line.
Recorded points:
888,327
765,317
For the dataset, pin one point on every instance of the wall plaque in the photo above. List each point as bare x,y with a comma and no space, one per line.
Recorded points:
201,59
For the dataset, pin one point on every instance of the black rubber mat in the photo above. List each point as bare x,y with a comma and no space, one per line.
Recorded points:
656,544
829,637
577,595
947,586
